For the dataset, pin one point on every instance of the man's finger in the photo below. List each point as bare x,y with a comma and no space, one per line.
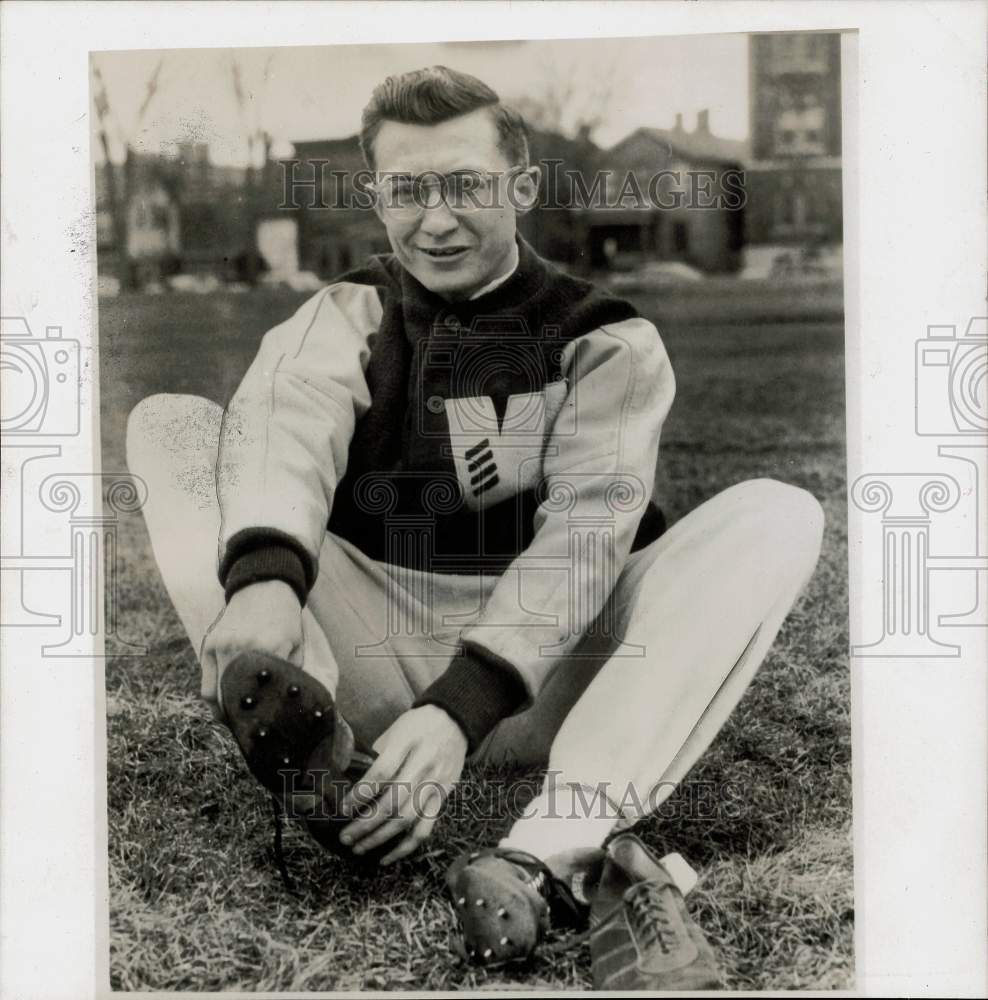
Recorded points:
393,802
210,686
380,773
387,831
364,793
427,809
419,834
294,654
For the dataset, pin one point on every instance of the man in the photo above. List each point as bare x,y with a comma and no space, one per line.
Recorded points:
479,431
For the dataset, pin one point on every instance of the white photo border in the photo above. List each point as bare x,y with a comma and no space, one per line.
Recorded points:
915,254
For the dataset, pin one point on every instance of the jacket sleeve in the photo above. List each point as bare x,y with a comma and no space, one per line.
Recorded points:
599,471
285,438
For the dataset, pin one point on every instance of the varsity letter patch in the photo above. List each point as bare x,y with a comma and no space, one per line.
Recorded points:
497,455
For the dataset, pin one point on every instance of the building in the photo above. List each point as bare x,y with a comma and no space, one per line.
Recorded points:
181,214
580,220
794,176
152,224
151,220
671,195
213,208
337,229
312,211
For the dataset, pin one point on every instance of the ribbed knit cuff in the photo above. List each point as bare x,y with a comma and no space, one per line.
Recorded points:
477,690
257,556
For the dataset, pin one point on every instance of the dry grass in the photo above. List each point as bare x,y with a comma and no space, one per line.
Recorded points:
196,901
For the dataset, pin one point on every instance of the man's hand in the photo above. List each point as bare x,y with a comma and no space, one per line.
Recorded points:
265,617
420,760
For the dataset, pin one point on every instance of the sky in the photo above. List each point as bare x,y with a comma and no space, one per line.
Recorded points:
319,92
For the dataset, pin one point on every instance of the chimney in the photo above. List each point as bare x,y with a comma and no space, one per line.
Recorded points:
679,122
703,122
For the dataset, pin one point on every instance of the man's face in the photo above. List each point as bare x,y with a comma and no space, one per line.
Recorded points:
452,253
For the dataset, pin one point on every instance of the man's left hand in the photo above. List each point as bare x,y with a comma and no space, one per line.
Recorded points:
420,759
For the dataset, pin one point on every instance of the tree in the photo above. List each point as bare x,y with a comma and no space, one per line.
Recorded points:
119,194
560,104
258,139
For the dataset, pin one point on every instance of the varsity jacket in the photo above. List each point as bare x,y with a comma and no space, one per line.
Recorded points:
515,434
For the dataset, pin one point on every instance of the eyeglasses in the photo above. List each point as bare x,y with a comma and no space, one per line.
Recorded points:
404,197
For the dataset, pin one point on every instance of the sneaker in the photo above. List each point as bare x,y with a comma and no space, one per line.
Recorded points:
641,936
505,901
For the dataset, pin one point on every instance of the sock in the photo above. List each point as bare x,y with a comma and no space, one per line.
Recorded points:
564,826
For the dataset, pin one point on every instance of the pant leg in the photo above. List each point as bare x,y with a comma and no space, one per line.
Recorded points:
705,602
702,605
393,630
172,444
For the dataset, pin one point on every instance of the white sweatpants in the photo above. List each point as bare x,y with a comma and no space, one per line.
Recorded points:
695,613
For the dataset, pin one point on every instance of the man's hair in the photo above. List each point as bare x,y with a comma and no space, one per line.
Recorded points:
436,94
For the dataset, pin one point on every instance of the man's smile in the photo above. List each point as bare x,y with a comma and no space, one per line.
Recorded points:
450,253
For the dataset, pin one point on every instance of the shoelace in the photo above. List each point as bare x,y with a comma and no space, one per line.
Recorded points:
537,876
650,916
538,882
279,853
360,759
557,894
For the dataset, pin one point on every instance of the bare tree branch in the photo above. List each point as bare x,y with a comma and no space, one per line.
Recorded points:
150,90
557,105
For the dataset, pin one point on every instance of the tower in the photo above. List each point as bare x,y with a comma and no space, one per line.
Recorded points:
794,177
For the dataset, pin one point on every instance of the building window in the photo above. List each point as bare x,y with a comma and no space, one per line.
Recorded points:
783,209
791,210
799,53
799,131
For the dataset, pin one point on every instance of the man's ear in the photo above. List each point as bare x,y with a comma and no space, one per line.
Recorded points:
378,211
525,189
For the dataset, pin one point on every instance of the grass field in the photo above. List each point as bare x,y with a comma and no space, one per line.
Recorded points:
196,901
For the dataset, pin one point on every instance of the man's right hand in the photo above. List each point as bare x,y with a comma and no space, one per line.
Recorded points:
265,617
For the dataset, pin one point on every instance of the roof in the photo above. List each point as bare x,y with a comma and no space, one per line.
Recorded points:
696,145
340,149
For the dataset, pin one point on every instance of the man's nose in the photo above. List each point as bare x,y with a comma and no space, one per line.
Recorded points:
438,220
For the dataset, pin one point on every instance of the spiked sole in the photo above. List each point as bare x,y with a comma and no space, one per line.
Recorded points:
501,917
286,725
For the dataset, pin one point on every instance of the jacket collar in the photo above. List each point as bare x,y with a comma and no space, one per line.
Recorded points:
422,308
